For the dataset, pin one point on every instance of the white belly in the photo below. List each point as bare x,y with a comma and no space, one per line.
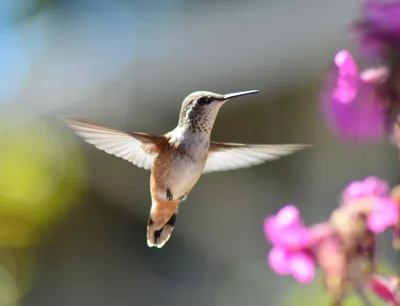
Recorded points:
183,170
184,175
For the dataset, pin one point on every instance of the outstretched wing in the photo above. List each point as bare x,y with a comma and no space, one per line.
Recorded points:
229,156
138,148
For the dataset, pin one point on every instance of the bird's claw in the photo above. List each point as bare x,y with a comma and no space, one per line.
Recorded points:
169,196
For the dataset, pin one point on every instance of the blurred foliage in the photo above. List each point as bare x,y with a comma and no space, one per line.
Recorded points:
41,176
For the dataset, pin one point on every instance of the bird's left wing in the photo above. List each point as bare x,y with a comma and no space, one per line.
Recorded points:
138,148
229,156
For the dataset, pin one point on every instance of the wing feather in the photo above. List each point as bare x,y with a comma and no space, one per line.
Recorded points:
229,156
138,148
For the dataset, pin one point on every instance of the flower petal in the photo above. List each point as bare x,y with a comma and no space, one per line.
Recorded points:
285,229
302,267
346,83
380,285
375,186
288,215
369,187
295,238
350,105
278,260
385,215
271,230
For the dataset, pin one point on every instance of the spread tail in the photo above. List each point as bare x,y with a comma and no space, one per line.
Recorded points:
161,223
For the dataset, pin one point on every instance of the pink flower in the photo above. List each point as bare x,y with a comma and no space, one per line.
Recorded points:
369,187
350,103
385,288
384,212
290,239
379,28
298,264
384,215
285,229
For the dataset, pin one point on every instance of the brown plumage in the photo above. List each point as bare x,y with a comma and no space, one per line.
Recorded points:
178,158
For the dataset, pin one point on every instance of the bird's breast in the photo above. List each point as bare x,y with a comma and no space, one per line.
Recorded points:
184,174
176,171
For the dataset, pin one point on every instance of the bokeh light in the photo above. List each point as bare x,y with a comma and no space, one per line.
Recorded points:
41,177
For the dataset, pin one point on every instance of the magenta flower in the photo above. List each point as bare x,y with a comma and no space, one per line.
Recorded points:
290,239
299,264
384,215
385,288
286,230
369,187
379,28
384,212
350,104
342,246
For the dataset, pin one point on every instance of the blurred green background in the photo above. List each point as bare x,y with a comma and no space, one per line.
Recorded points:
73,219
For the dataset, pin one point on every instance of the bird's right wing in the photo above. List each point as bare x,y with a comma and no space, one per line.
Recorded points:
138,148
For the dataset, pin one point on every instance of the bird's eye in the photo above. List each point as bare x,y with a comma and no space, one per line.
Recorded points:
202,101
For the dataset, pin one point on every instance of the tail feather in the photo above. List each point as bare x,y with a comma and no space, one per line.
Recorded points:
157,236
161,222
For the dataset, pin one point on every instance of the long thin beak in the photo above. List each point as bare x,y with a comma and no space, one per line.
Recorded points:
240,94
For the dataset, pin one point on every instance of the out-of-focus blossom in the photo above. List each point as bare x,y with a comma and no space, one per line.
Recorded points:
350,104
285,229
386,288
369,187
384,215
384,212
332,260
379,29
296,263
344,246
378,34
362,106
290,238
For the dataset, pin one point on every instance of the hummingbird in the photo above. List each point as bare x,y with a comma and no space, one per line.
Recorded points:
178,158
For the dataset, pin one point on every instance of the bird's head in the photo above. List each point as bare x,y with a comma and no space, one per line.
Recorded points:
199,109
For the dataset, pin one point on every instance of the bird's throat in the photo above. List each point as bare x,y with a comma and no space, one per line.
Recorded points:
195,144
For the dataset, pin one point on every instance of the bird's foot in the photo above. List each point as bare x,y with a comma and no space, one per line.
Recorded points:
183,198
169,195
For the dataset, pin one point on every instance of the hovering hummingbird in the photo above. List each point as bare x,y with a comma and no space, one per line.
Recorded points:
178,158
